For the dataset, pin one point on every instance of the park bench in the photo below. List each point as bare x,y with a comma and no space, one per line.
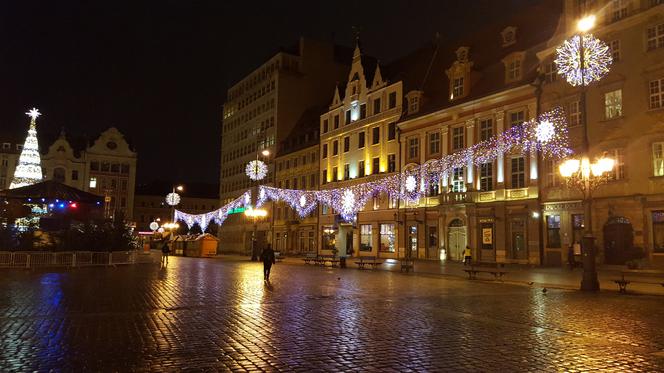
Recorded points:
473,271
310,258
367,261
407,265
322,260
628,276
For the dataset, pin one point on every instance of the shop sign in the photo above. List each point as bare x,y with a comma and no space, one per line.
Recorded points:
487,236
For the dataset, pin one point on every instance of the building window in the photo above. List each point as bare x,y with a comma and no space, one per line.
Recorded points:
387,238
375,138
486,176
434,143
486,129
553,231
347,117
375,167
550,72
74,175
391,131
413,148
655,37
614,46
335,147
325,126
514,70
59,174
658,231
6,146
376,106
618,156
658,158
93,182
94,166
335,174
618,10
457,87
365,237
414,104
324,154
516,118
434,186
613,104
363,111
391,163
392,100
551,173
458,182
336,121
346,144
574,113
657,94
346,171
518,171
360,140
324,176
457,138
360,169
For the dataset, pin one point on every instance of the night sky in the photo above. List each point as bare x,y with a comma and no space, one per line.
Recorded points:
159,70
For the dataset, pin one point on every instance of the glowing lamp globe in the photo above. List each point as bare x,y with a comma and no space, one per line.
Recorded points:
569,167
154,226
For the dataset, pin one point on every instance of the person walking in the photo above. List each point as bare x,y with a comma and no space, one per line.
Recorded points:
267,256
467,256
165,250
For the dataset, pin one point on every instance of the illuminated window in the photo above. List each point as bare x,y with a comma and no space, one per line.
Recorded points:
518,171
553,231
658,158
486,129
458,183
93,182
486,176
387,238
656,94
457,87
618,156
613,104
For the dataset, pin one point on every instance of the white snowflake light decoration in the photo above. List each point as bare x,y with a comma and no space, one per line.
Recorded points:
173,199
348,202
303,200
256,170
596,60
411,183
544,131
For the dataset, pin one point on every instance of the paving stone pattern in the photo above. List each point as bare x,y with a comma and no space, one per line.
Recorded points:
211,314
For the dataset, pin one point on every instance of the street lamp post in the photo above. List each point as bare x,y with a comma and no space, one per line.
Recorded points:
173,199
587,176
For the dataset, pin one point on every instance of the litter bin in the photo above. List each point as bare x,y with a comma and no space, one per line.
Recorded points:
342,262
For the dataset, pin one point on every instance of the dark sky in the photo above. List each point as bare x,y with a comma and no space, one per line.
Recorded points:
159,70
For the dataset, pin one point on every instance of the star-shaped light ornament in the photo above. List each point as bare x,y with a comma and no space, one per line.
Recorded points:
256,170
544,131
411,183
33,113
348,203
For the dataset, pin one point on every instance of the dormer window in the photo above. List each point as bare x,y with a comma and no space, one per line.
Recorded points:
457,87
414,99
514,67
462,54
509,36
459,73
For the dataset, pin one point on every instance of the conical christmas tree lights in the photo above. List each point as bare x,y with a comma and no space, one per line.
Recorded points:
29,171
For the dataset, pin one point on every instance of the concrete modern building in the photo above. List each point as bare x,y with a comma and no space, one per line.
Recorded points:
261,110
106,167
625,118
297,167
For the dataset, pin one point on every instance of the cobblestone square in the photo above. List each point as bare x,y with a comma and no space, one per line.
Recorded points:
218,314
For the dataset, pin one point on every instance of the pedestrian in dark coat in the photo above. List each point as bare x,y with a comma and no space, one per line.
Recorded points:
267,256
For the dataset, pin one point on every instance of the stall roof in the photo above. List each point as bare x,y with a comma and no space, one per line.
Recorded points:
51,190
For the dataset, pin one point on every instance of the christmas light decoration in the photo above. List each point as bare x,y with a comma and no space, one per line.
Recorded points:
546,133
256,170
596,60
219,215
173,199
29,171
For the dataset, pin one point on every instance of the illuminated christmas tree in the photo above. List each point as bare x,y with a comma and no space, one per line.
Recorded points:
29,171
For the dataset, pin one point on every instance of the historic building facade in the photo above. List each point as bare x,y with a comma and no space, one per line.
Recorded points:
625,118
106,167
297,167
358,143
10,150
261,110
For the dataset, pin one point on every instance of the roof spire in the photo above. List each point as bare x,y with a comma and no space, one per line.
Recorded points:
356,33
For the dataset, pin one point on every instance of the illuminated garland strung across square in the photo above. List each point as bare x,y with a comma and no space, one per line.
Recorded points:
219,215
546,134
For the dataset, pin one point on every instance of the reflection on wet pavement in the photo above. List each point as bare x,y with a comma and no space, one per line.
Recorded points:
213,314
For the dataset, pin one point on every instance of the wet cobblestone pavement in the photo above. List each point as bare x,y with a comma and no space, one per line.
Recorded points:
209,314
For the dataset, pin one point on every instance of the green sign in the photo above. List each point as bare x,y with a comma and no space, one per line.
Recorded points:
237,210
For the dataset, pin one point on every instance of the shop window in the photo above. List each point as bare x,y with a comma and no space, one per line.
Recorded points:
387,238
365,237
553,231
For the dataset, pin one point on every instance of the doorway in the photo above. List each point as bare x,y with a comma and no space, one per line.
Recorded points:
456,239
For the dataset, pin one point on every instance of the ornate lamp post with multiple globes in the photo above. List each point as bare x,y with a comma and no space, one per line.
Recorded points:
584,59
